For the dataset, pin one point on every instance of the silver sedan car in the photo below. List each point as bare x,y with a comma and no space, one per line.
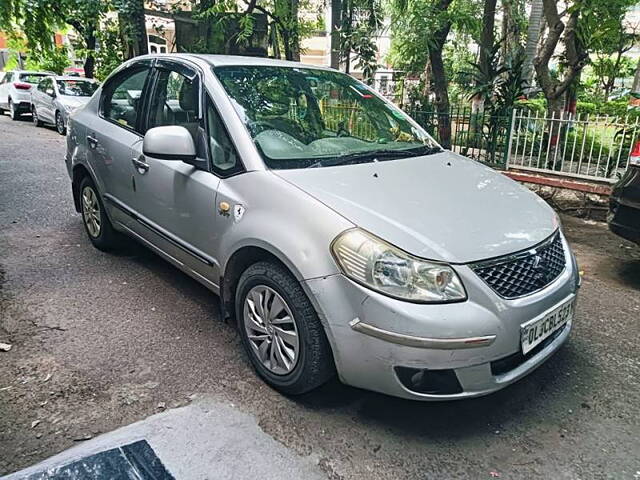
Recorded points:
339,235
55,97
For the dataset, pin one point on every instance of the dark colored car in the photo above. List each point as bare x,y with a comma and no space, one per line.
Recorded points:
624,203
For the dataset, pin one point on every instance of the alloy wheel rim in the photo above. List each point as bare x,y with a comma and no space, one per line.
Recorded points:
34,114
59,123
11,108
91,211
271,330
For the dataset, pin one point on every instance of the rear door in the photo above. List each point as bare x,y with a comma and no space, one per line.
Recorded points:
111,136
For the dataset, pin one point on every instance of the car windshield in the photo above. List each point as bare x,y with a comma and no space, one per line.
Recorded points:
304,117
32,77
76,88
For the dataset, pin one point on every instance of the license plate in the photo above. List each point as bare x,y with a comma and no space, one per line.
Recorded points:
535,332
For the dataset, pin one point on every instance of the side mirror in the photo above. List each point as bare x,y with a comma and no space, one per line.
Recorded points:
170,142
50,92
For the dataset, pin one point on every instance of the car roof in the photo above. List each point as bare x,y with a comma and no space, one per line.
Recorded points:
73,78
235,60
33,71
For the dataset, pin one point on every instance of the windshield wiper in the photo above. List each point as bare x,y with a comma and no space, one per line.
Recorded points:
375,156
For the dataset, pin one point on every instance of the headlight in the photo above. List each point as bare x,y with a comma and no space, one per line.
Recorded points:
371,261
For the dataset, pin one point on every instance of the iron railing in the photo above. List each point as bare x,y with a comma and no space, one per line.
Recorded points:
479,136
594,147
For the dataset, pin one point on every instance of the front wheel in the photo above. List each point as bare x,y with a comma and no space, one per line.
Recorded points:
60,126
36,120
281,331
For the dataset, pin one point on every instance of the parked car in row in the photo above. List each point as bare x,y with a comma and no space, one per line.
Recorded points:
56,97
624,202
337,232
15,91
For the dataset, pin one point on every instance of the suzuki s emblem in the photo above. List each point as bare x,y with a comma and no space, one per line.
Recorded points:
540,268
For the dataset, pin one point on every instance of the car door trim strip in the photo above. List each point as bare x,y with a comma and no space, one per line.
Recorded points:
165,235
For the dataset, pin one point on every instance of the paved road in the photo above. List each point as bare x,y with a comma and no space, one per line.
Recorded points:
103,340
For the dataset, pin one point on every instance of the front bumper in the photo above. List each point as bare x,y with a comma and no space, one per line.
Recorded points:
377,339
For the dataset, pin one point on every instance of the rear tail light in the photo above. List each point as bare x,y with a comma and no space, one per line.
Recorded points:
22,86
634,156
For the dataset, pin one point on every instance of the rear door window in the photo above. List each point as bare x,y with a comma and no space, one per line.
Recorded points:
122,97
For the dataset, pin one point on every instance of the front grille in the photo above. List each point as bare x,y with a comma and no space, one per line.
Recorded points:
524,273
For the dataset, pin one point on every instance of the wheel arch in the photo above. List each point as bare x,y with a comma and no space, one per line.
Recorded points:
78,173
241,259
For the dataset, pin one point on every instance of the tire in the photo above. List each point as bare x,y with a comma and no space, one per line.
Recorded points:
13,112
95,220
313,364
60,127
36,120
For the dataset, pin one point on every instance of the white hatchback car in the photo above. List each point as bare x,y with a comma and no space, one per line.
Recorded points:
15,91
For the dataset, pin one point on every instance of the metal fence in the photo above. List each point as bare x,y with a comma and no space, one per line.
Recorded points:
592,147
582,146
479,136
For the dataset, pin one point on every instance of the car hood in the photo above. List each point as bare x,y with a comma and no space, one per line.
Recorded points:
440,207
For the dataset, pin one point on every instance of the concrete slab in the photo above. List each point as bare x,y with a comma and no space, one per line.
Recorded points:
205,440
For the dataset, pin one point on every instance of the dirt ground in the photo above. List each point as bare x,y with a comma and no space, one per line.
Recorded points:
102,340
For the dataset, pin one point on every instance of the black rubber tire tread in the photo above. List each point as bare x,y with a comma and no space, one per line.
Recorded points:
37,122
315,363
109,239
64,129
16,115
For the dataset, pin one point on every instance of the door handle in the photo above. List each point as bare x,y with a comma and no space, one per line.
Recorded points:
92,141
140,165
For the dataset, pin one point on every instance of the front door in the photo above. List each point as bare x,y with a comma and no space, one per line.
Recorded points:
175,201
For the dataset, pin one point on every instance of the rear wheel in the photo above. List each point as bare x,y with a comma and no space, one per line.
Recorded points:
60,126
281,331
14,113
96,223
36,120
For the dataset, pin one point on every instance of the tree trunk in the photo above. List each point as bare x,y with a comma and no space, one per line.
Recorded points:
133,29
533,35
336,20
440,86
511,11
487,37
349,25
293,30
90,61
442,97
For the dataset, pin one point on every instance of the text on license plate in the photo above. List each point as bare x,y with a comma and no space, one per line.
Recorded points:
534,333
